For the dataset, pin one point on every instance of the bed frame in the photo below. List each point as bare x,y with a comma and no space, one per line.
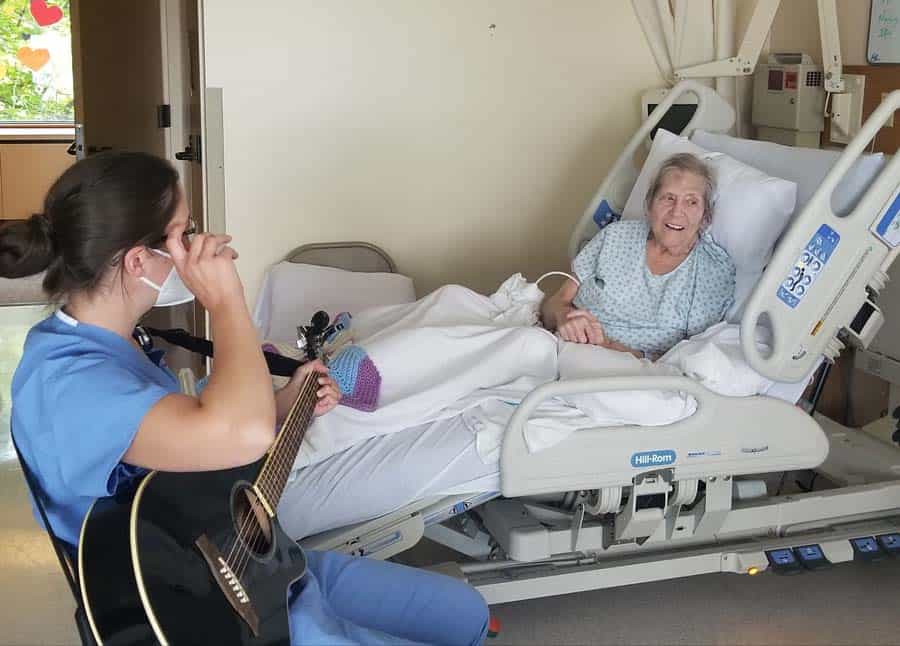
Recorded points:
588,514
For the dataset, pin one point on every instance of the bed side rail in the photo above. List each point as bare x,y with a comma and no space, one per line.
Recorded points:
725,436
816,284
713,114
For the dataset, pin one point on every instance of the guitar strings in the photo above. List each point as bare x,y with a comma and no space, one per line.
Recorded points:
258,537
248,524
280,457
248,544
301,402
295,438
277,461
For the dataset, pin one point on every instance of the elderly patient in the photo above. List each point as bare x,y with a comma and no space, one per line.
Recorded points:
647,284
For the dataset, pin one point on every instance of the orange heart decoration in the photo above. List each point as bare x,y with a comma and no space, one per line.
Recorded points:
33,58
44,15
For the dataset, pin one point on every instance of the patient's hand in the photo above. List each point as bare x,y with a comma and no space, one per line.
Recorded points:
580,326
329,393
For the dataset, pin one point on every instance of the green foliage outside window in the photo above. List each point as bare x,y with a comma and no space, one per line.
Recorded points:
28,95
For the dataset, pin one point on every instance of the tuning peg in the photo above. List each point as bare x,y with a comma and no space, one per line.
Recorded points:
319,321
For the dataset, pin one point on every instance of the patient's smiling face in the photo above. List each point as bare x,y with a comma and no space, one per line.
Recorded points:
676,211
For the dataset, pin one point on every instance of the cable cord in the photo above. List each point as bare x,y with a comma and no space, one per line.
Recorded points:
558,273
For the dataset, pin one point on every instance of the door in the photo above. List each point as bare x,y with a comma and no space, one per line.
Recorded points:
129,73
183,89
117,60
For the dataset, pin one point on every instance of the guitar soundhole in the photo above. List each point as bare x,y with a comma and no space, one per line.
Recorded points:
252,524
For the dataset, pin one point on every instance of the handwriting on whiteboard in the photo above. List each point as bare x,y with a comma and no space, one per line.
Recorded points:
884,32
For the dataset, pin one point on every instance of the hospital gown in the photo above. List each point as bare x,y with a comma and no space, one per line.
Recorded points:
644,311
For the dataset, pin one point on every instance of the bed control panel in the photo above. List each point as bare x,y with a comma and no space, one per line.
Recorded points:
793,560
866,548
808,266
890,543
783,561
887,226
811,557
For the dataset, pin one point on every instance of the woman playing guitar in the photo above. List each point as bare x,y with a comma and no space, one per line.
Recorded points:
93,413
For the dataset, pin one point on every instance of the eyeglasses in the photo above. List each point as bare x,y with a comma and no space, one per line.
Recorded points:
186,236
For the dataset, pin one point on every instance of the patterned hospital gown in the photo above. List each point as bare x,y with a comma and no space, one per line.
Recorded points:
644,311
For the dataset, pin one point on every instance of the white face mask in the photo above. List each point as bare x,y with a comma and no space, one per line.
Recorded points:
173,291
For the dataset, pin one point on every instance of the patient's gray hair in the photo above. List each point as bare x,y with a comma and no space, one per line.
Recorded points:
687,163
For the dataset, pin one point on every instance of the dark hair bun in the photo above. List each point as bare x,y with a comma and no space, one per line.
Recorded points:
26,248
94,212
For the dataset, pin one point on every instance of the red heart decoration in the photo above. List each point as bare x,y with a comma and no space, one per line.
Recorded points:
44,15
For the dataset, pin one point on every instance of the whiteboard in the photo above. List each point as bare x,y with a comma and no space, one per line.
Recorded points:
884,32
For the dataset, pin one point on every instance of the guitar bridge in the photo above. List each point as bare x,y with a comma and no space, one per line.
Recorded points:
229,582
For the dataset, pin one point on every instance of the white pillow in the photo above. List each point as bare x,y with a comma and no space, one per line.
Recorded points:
292,292
805,166
752,209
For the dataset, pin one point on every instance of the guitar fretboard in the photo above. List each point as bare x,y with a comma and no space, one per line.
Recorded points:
277,467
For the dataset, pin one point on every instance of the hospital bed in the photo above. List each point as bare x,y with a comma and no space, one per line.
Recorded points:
613,506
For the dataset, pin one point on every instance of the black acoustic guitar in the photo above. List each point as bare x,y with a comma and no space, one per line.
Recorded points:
197,558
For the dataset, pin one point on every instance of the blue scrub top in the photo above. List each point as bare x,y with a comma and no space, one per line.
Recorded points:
78,397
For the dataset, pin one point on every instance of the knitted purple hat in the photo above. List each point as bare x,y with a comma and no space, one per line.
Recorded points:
355,374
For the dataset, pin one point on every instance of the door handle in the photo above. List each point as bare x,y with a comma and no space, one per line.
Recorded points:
193,151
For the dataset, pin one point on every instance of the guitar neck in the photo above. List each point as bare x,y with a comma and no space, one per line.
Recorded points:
275,470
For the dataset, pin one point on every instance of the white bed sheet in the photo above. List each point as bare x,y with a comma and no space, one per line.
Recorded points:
455,350
344,478
383,474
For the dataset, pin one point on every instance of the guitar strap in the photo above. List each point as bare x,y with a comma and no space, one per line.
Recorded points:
279,365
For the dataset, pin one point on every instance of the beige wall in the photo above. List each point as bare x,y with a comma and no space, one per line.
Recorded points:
468,153
796,28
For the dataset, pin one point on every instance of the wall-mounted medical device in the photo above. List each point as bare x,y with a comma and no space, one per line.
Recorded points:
744,63
789,100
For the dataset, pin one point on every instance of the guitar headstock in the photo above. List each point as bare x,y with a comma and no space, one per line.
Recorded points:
311,338
323,338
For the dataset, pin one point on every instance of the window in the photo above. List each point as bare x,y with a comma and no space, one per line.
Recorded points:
35,62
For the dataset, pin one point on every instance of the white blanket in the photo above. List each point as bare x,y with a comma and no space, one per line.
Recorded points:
437,357
457,351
